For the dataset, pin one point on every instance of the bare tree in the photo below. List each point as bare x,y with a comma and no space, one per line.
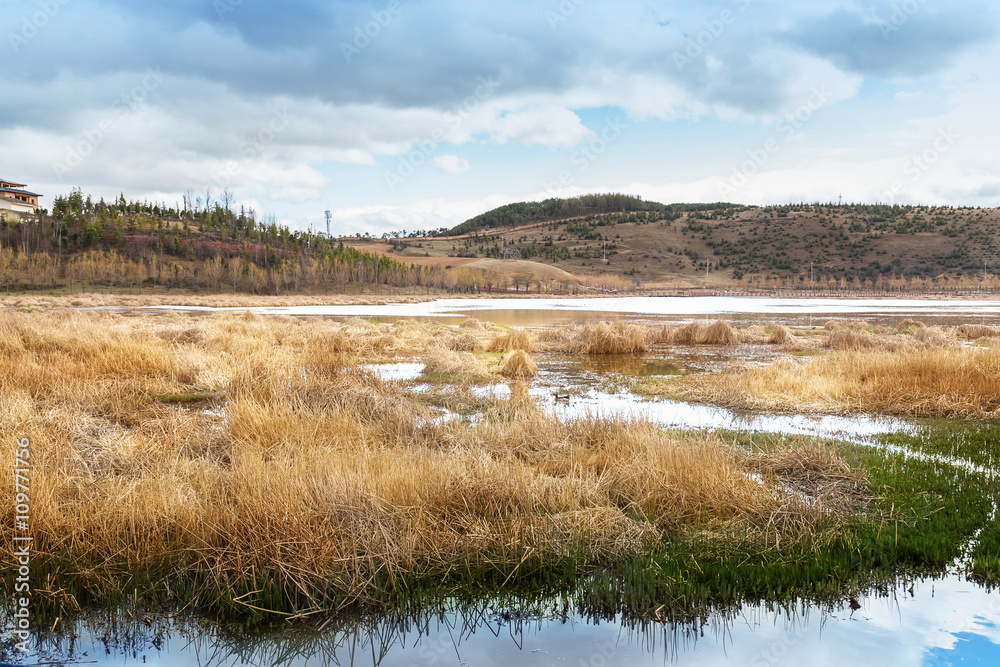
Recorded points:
227,200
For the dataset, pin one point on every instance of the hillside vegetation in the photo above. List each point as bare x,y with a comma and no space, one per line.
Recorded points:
526,213
820,245
84,245
603,242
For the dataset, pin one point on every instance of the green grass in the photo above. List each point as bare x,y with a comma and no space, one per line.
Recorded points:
194,397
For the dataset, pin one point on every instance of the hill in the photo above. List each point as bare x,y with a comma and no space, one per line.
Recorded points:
83,245
527,213
726,244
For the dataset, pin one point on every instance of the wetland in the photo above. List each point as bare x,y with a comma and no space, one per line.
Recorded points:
443,488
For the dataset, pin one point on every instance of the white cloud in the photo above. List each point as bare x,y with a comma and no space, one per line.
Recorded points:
451,164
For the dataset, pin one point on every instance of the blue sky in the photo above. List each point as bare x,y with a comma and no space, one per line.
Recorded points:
415,114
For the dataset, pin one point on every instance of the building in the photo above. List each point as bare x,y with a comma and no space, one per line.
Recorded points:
14,200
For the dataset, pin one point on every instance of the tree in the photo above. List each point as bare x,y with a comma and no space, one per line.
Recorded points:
213,271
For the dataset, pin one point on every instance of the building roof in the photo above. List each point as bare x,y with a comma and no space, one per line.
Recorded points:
20,192
16,185
16,201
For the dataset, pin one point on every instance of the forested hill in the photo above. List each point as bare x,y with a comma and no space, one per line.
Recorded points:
84,244
526,213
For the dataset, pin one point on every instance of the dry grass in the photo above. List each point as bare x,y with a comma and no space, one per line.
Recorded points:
312,483
780,335
977,331
472,324
441,361
662,334
911,380
515,339
517,365
701,333
719,333
609,338
552,339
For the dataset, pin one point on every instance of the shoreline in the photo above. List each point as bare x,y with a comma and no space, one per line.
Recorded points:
189,299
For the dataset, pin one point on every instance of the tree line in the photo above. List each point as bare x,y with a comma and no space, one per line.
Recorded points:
86,244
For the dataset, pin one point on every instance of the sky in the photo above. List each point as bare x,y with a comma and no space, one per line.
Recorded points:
418,114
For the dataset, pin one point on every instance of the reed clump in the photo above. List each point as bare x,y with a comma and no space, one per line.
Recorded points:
442,361
552,339
780,335
514,339
516,364
977,331
610,338
702,333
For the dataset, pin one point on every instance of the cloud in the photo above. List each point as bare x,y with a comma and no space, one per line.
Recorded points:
416,76
898,39
451,164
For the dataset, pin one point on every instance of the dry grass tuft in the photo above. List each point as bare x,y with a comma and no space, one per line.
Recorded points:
515,339
662,334
719,333
441,361
472,324
699,333
610,338
844,339
517,365
780,334
688,334
466,343
908,324
816,471
552,339
977,331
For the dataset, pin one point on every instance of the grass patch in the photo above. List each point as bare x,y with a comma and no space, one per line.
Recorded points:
914,381
917,519
193,397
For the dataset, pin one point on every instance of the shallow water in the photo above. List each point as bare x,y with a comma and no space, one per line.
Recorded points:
943,621
540,312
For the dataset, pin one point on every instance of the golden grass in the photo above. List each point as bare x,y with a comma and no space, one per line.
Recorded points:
911,380
472,324
515,339
977,331
315,479
780,334
516,364
700,333
441,361
610,338
719,333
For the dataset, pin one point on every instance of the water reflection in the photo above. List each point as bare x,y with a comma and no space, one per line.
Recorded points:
937,621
